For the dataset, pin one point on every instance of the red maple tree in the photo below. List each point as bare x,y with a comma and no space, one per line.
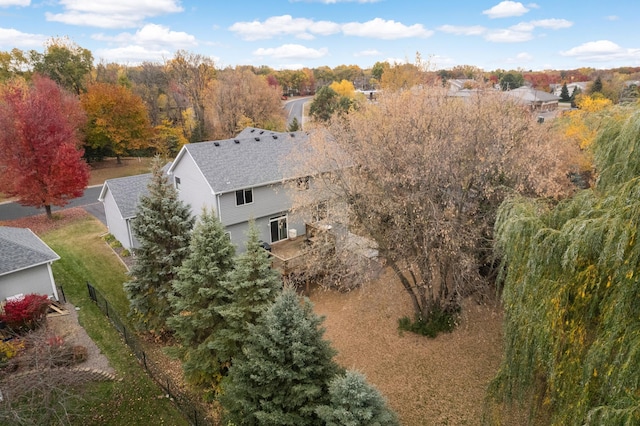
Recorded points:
40,162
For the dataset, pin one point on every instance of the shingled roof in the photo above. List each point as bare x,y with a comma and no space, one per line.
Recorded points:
20,249
126,192
254,157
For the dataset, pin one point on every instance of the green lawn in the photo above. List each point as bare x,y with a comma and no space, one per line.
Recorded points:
85,257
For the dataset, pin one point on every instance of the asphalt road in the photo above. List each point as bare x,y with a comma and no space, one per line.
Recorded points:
294,108
88,200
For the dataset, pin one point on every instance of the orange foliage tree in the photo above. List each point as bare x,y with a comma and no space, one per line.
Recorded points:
117,120
40,162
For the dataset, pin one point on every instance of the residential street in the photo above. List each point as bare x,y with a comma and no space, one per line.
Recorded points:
294,108
89,200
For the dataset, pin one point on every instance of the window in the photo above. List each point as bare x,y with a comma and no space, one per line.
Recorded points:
244,196
177,181
321,211
303,183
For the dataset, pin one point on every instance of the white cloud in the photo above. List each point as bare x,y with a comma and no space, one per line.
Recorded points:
283,25
307,29
152,36
533,6
508,36
612,18
291,51
132,55
9,3
383,29
369,52
11,38
112,13
506,9
602,51
521,57
523,31
458,30
554,24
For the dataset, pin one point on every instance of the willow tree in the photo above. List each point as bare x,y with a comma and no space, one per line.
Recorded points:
421,174
571,291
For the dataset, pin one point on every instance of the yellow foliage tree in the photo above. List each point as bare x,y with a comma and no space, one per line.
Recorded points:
344,88
580,126
168,139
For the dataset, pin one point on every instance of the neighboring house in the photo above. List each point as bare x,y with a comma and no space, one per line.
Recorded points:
536,100
581,86
243,178
25,264
120,198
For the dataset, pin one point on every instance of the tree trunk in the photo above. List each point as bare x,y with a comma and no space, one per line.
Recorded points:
118,160
47,208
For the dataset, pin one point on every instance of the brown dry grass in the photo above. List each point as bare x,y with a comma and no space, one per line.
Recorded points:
109,168
426,381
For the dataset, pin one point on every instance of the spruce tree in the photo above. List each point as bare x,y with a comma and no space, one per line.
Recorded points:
251,288
197,292
294,126
564,93
162,227
354,402
283,374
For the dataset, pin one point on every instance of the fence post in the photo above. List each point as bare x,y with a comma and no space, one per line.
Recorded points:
64,298
144,360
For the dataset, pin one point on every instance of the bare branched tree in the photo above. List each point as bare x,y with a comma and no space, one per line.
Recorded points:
420,175
36,387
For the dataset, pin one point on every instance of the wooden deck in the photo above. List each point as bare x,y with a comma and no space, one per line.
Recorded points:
286,255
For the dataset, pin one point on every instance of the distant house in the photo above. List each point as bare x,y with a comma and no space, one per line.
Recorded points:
581,86
243,178
536,100
25,264
120,199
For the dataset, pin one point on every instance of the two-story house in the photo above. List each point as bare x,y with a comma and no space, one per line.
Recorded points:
243,178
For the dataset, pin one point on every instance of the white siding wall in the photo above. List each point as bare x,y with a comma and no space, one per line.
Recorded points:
32,280
193,189
118,227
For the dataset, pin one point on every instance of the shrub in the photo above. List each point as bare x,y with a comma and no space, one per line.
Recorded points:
109,238
438,322
9,350
115,244
125,253
25,314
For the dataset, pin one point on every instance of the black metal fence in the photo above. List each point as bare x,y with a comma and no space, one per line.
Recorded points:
189,404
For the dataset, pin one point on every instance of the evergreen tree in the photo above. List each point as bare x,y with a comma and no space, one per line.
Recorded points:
354,402
285,369
197,293
294,126
162,227
564,94
596,87
251,288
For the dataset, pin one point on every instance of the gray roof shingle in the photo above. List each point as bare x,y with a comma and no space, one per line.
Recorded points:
254,157
20,249
126,192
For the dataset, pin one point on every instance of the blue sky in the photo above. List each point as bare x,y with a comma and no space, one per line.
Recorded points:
547,34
